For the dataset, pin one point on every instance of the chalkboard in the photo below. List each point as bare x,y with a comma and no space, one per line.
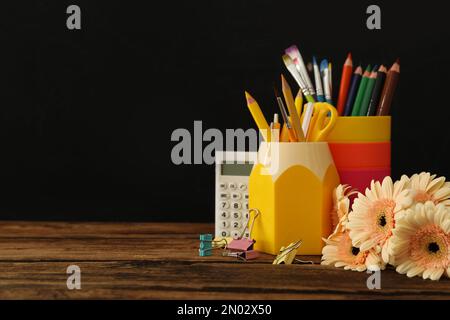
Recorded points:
86,116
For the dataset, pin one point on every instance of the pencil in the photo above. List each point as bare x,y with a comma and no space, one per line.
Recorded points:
258,116
295,119
368,93
375,98
356,79
345,83
392,77
361,91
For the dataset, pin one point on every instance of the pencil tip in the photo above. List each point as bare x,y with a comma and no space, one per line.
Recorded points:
397,61
349,56
314,60
249,98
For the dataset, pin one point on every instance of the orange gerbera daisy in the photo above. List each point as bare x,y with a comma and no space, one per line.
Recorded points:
374,215
341,203
426,187
420,245
340,252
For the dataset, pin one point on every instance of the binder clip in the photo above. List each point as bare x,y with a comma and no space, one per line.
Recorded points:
207,244
242,248
287,254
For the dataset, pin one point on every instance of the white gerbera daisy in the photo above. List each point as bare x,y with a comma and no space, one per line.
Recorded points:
426,187
374,215
420,245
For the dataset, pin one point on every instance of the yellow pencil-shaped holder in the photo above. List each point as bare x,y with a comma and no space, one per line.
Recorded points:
293,194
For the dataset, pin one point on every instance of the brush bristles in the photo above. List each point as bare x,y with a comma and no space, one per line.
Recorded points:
287,60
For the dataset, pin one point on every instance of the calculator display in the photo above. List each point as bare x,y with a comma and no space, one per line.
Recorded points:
236,169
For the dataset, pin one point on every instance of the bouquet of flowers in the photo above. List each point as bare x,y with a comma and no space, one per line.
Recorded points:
405,224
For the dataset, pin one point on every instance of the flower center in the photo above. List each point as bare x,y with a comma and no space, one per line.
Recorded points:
429,247
433,247
382,220
384,213
355,251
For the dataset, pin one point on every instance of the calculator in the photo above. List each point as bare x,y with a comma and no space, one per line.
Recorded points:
233,169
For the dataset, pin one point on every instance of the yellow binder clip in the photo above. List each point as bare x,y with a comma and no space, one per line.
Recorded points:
287,254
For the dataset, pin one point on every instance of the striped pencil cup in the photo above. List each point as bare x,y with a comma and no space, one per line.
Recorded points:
361,149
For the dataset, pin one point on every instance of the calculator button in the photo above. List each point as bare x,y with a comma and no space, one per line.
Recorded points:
235,224
224,233
224,215
224,196
242,187
247,234
246,196
246,215
246,206
232,186
235,234
223,186
235,196
224,205
236,215
225,224
236,205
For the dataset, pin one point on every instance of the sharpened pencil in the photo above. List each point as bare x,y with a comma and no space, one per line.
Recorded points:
356,79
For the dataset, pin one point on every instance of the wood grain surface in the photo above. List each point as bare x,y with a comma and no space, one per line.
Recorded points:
160,261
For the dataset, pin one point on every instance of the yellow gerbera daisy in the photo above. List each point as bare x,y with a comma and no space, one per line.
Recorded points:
420,245
374,215
426,187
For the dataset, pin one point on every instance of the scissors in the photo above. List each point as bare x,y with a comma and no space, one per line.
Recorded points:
322,121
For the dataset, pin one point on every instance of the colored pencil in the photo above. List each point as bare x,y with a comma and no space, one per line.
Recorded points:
318,81
376,93
368,93
258,116
345,83
361,91
392,77
356,80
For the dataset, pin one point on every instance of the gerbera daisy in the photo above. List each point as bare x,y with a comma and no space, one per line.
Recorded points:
340,252
426,187
341,203
420,245
374,215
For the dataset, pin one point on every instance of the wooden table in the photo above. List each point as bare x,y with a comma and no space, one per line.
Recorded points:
160,261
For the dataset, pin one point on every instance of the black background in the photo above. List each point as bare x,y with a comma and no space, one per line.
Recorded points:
86,116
